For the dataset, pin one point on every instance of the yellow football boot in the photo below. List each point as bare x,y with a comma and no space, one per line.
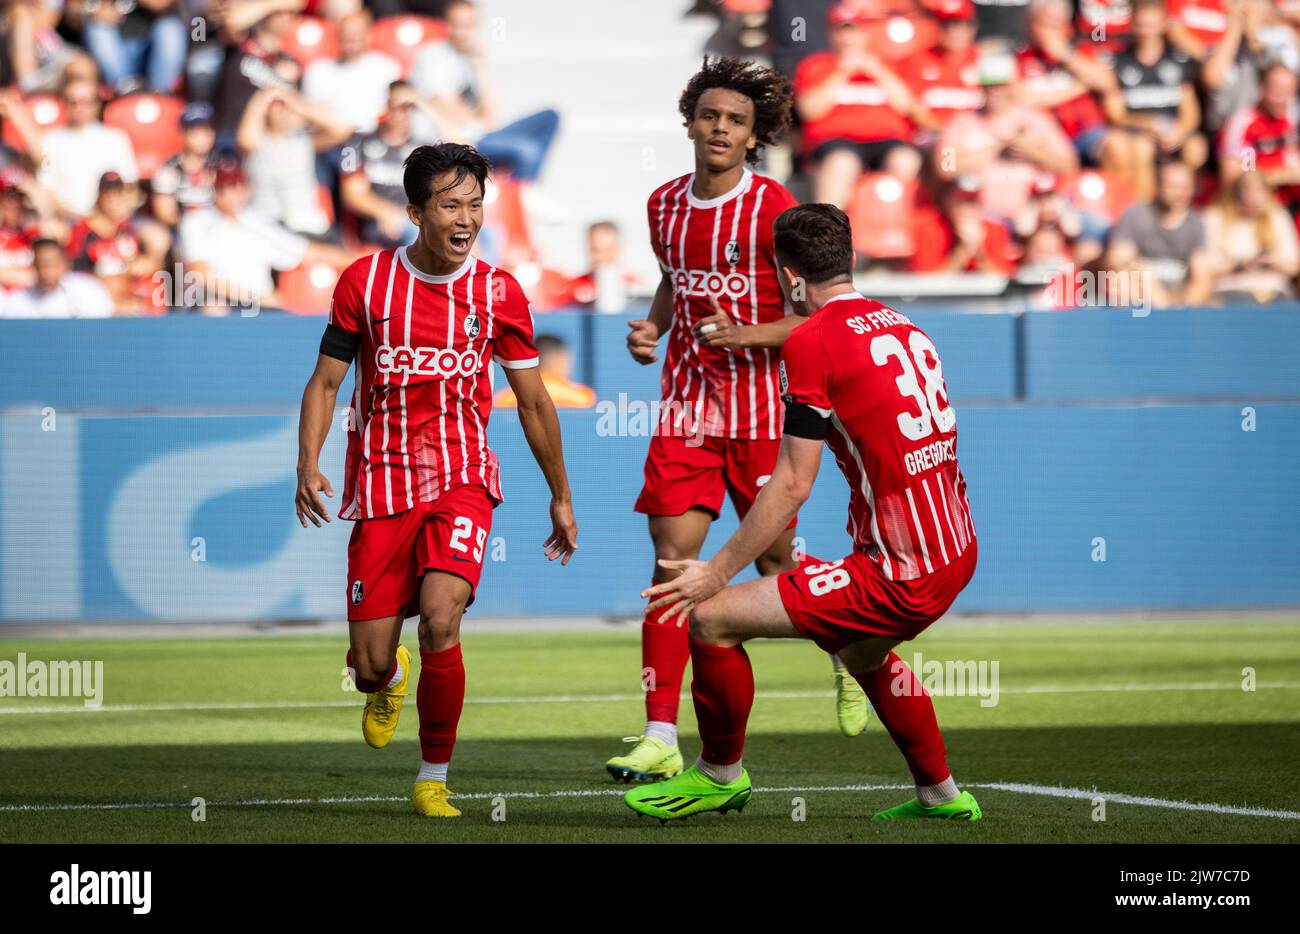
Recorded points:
379,719
851,707
430,799
651,759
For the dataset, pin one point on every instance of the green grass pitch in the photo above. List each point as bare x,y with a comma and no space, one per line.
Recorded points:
1148,715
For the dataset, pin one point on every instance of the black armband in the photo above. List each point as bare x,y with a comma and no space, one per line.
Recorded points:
339,343
803,421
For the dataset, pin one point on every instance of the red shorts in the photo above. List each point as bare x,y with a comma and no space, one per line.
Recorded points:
388,556
681,474
849,600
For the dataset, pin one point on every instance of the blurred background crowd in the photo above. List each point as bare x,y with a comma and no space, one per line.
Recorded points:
198,156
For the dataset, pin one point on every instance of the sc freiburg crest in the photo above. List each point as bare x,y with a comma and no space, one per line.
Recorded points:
472,326
732,252
358,593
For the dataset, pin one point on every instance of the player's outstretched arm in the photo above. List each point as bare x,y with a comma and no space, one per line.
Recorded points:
721,330
313,425
778,501
542,429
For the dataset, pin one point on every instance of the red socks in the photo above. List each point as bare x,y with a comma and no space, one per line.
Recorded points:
905,708
439,699
665,647
723,688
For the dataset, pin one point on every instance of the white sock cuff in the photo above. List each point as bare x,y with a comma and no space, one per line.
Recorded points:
661,730
935,795
722,774
432,772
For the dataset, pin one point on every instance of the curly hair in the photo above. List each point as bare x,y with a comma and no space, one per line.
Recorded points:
767,88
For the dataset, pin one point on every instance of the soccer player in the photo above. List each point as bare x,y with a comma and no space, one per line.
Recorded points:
866,381
719,302
423,323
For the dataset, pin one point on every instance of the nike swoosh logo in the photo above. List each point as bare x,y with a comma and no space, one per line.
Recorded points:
458,558
380,320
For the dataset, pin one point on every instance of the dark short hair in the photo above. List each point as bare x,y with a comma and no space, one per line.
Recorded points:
767,88
425,163
815,241
46,243
549,343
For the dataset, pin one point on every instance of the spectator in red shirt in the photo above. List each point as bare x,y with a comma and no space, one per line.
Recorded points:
121,250
1263,138
1048,229
1065,77
857,113
958,237
945,77
17,234
605,287
1155,100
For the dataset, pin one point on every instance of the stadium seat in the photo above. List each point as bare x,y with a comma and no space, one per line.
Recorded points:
308,289
1103,194
402,37
310,38
900,37
881,213
153,122
46,111
505,210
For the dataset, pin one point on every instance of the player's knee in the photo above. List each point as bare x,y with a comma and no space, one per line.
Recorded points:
708,625
861,658
367,675
668,550
774,563
440,624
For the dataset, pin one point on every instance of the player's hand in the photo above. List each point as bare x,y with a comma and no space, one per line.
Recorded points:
641,341
719,330
564,533
311,483
697,582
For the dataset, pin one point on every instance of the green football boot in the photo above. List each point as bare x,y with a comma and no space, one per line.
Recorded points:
963,807
691,792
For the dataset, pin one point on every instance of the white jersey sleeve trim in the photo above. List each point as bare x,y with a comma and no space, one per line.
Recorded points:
527,364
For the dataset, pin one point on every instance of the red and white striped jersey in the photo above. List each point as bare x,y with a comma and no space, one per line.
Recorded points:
877,377
720,248
423,390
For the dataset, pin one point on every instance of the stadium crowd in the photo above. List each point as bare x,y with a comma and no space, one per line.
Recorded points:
198,155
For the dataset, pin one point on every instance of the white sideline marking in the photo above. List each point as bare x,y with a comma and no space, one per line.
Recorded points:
1050,791
77,707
